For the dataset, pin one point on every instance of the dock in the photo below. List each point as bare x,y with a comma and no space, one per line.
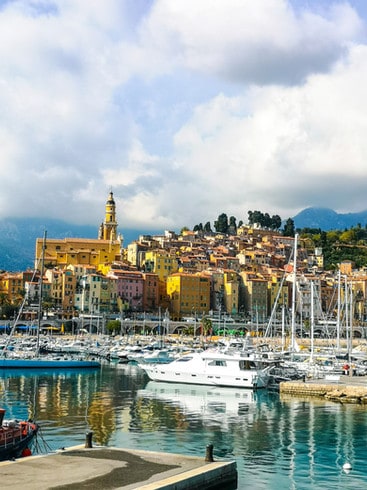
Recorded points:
343,388
105,468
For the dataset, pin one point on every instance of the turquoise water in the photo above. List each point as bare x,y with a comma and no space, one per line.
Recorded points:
277,442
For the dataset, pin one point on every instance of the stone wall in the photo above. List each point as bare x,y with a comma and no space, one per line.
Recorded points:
330,391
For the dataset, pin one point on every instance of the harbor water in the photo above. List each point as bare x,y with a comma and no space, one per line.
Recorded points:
277,442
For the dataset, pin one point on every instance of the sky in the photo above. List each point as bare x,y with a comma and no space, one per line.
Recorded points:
185,109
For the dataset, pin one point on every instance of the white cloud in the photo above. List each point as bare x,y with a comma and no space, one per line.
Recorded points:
246,41
297,147
186,109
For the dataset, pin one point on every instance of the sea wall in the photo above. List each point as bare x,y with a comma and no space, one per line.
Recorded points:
331,391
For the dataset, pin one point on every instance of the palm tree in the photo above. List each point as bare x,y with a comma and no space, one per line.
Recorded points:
206,325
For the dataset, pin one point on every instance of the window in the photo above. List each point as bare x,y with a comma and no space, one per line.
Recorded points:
217,362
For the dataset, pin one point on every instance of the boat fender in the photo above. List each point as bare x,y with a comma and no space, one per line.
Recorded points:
26,452
23,426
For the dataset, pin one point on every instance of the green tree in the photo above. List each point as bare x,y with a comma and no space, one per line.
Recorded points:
332,236
258,218
276,222
207,227
198,227
113,326
206,325
266,221
348,236
221,225
232,225
289,229
9,311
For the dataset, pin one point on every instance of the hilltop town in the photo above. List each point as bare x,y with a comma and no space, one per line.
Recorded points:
247,276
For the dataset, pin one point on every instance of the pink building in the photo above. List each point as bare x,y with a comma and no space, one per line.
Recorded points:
130,288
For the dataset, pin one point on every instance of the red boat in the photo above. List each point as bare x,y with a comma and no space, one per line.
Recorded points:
15,437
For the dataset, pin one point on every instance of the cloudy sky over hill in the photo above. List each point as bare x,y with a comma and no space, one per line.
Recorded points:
184,108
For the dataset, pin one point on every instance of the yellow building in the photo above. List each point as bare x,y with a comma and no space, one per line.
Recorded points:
11,287
278,293
189,294
255,297
231,285
62,290
161,263
96,294
84,251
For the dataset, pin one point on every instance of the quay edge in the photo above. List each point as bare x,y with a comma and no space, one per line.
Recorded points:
119,469
343,389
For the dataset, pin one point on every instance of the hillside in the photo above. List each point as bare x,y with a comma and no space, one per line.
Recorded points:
18,238
18,235
327,219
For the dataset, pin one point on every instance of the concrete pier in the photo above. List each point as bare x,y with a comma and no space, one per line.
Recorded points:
343,389
103,468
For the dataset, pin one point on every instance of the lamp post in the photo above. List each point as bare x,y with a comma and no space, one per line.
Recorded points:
193,316
166,322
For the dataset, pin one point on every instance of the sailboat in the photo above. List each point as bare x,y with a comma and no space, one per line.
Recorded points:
34,360
15,437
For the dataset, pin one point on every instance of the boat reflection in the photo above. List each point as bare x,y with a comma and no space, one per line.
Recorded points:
277,441
207,402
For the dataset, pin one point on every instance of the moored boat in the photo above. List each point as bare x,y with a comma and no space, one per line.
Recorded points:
210,368
47,363
15,437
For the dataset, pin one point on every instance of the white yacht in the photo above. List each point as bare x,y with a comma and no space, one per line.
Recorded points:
210,368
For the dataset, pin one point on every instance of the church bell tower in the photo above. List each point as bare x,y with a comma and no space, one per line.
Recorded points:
108,229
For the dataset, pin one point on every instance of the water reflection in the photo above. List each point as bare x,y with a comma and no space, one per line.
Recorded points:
277,442
207,403
290,442
67,403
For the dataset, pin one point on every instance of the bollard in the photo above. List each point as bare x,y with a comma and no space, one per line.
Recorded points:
209,453
88,439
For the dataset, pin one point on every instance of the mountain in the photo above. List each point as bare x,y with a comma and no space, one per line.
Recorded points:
327,219
18,238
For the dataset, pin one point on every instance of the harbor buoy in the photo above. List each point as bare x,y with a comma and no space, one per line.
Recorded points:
26,452
347,467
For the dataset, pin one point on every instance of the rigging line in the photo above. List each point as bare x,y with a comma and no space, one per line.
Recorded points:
40,293
25,299
40,438
280,288
273,311
34,402
86,409
20,311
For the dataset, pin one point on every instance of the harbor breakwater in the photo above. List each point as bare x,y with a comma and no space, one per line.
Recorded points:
342,390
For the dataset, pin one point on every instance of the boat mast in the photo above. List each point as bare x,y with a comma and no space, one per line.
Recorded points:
350,338
40,293
312,321
347,313
283,328
338,315
293,325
